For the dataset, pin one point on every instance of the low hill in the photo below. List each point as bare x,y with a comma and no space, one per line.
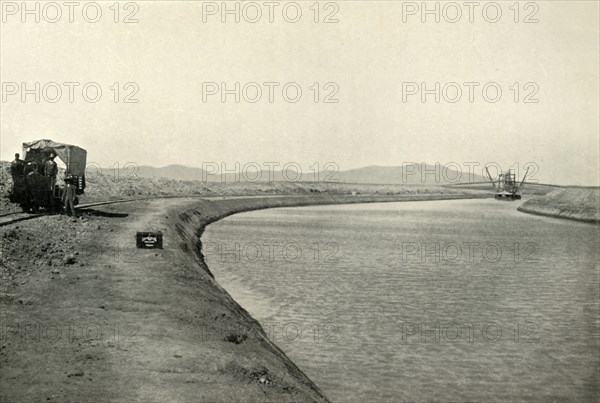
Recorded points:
424,174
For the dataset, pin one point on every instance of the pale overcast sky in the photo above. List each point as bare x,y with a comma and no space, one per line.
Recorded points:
369,53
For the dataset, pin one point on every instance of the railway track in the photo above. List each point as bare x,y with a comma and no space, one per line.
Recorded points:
12,218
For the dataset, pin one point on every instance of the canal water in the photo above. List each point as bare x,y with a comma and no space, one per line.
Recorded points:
442,300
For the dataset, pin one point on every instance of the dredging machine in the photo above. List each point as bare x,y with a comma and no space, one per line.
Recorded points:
506,186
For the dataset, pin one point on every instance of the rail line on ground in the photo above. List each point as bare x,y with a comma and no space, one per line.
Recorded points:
21,216
17,216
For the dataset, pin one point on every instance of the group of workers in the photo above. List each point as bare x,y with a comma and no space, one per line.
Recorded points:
19,168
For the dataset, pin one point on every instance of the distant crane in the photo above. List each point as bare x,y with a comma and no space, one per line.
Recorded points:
506,187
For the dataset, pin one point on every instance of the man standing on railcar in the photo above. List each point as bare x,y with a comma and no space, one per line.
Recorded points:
51,170
17,168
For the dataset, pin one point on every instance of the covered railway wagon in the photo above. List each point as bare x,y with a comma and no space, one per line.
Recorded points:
32,189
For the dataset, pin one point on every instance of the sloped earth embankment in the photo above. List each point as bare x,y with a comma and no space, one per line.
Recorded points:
579,204
85,316
93,319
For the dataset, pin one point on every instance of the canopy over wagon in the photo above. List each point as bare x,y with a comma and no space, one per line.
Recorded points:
73,157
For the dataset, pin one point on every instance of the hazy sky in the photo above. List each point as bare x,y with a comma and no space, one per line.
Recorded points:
373,49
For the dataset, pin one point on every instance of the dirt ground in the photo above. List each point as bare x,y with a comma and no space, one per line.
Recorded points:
85,316
580,204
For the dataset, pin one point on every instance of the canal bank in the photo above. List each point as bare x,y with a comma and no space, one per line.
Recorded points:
579,204
88,317
237,326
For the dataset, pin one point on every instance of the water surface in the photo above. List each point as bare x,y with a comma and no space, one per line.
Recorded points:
348,294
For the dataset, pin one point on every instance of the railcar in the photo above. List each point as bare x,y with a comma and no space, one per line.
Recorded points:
33,190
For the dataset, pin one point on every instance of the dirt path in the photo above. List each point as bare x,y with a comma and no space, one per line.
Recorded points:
125,324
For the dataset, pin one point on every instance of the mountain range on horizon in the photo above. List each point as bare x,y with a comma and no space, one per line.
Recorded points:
423,174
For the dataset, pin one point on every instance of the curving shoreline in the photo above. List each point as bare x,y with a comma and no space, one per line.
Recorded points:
181,336
191,223
577,204
190,226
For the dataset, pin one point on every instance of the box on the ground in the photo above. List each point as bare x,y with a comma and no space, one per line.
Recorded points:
149,239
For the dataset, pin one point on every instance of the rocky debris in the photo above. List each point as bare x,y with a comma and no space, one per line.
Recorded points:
69,259
236,338
264,379
43,244
25,301
262,376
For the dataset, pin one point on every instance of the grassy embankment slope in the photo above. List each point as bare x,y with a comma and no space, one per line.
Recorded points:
581,204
